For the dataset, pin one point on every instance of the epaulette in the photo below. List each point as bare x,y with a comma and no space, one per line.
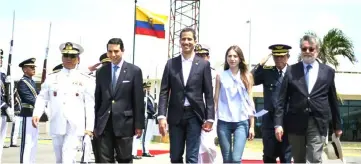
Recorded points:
268,67
56,71
86,75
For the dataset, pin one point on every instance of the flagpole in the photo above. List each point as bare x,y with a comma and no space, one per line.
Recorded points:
249,44
135,21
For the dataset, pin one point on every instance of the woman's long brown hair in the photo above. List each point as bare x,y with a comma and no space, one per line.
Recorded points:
246,76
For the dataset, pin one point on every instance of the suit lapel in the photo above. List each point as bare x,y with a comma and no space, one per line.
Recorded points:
319,74
194,68
123,72
179,69
302,80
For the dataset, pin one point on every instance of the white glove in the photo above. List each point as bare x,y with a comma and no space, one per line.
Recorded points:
10,112
8,79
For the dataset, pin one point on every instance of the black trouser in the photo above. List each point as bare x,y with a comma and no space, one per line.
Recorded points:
107,142
272,148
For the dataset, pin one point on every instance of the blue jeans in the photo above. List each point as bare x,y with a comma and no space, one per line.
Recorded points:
240,133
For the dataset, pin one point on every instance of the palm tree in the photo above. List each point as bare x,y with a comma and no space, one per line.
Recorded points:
334,43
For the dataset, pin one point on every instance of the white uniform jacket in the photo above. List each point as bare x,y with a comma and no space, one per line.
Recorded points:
70,96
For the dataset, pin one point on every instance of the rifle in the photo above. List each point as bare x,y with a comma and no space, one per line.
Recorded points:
9,84
43,76
44,117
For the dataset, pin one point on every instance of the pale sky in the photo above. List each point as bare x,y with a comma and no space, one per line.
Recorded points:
222,24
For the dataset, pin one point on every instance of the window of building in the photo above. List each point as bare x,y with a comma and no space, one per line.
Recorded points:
259,104
350,111
354,102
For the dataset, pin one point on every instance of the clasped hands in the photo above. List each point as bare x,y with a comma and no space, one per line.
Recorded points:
207,126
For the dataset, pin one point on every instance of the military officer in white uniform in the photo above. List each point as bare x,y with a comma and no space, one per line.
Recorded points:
70,95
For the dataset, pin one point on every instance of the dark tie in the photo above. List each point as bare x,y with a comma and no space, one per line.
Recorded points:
277,88
114,79
308,67
280,73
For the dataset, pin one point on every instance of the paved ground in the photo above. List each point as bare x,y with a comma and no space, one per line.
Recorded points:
45,155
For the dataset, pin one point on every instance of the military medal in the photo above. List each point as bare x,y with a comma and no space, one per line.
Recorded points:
54,93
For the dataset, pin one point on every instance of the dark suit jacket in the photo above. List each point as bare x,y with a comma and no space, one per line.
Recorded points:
318,103
269,77
199,83
125,104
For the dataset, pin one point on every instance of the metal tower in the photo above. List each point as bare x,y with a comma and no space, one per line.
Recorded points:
183,13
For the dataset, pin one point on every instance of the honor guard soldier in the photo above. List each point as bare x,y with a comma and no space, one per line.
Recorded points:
70,96
28,93
5,109
271,77
150,120
4,105
149,126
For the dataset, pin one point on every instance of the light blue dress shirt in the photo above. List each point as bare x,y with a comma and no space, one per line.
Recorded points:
234,103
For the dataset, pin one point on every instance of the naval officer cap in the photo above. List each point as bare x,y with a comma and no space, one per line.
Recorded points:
147,84
280,49
71,48
104,58
58,67
28,62
201,49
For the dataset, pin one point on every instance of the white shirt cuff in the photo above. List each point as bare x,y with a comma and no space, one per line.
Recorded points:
161,117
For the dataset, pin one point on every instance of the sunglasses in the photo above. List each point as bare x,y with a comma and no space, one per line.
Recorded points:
310,49
70,56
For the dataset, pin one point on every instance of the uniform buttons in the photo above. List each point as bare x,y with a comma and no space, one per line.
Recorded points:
64,103
308,97
113,101
108,111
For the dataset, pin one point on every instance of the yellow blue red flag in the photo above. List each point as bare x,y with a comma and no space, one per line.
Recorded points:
150,23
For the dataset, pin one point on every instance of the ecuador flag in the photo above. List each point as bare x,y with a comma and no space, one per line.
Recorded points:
149,23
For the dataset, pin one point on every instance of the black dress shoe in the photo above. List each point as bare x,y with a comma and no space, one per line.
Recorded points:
147,155
14,146
5,146
136,157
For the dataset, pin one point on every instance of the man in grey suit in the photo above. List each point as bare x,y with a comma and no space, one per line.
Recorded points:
308,88
186,78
